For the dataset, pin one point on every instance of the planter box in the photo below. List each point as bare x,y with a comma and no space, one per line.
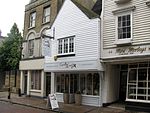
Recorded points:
78,99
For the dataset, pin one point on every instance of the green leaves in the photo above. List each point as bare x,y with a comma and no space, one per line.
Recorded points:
10,50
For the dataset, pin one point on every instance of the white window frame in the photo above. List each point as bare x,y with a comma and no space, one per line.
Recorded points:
32,20
126,40
66,53
46,16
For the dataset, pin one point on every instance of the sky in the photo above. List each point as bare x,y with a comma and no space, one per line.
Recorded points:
12,11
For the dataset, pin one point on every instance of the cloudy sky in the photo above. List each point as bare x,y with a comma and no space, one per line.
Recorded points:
11,11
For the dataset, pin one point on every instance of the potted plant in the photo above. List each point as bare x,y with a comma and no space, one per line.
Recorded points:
78,98
66,97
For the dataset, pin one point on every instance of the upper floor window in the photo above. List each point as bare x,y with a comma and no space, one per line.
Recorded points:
31,47
32,19
31,44
66,45
46,15
124,26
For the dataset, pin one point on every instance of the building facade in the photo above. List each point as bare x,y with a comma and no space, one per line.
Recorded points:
39,15
74,61
126,52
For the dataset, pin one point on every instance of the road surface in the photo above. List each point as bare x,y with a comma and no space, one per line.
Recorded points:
13,108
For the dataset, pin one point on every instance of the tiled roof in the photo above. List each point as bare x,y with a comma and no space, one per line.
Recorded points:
97,8
89,13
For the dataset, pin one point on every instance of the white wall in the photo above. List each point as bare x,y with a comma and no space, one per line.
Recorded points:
72,21
110,90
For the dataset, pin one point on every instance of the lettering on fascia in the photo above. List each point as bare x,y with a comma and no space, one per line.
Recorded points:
130,50
67,65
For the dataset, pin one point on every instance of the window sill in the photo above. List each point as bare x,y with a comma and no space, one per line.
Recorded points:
123,42
31,27
43,23
65,55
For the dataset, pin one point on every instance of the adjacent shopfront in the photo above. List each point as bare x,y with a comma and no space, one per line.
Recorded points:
74,76
128,70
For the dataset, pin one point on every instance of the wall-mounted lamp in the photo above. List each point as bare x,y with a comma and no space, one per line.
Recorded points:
49,36
148,3
46,36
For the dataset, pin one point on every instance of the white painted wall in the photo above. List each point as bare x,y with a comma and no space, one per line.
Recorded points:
111,80
72,21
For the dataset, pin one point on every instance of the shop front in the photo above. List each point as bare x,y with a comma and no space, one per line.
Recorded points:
73,77
128,77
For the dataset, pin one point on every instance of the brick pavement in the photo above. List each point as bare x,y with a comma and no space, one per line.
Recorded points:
41,103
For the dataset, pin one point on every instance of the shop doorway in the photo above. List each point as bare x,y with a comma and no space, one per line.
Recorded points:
123,82
123,85
25,84
48,84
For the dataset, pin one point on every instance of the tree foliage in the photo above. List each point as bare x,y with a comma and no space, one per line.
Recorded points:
10,50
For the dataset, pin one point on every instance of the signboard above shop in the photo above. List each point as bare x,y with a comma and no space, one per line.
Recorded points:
127,51
73,65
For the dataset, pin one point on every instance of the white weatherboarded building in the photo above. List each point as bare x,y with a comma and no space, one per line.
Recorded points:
126,52
74,63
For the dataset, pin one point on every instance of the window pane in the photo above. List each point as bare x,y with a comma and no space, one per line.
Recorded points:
96,84
66,45
71,44
124,28
82,83
89,84
31,47
46,16
32,19
36,80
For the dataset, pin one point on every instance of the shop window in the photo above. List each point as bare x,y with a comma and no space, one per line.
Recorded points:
82,83
139,83
36,80
88,83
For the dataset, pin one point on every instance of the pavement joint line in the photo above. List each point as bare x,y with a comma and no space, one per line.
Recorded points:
90,110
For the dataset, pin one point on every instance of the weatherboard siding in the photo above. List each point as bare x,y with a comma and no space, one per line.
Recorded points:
71,21
141,22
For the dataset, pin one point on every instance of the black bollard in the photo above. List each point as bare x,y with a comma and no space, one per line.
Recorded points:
9,93
19,92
